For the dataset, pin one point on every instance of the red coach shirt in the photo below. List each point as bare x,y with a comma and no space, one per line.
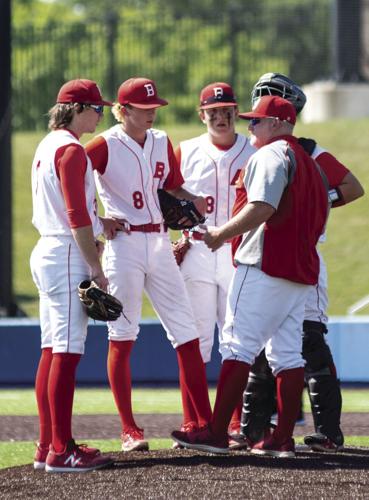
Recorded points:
283,175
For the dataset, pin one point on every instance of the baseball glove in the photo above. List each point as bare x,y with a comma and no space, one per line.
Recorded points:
180,248
98,304
174,210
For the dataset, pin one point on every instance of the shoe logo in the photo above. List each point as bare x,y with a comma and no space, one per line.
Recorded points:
73,460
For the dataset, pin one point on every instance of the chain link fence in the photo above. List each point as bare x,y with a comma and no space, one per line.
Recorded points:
181,52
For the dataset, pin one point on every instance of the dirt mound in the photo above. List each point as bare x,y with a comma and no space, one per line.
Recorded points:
175,474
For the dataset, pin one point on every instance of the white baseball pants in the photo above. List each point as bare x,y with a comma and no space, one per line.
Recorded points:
263,311
139,262
57,267
207,277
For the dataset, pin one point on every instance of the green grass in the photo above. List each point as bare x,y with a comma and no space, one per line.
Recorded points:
100,401
21,452
345,250
97,401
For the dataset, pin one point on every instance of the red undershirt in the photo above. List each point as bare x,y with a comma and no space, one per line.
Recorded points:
71,164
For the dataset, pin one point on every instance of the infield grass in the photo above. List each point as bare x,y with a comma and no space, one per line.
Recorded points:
344,251
147,400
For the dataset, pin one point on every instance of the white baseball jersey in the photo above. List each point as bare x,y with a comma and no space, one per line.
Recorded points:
211,172
127,179
49,212
56,262
128,187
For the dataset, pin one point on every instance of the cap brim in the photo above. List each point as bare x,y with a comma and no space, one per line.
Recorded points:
219,105
251,115
96,103
152,105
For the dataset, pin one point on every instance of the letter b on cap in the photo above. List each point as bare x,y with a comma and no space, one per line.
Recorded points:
149,89
218,91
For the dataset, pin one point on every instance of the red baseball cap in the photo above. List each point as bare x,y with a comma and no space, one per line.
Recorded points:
272,106
140,93
82,91
217,95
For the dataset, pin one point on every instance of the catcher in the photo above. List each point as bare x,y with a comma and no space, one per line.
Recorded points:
320,371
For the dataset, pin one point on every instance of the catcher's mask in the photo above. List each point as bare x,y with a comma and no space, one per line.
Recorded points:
281,85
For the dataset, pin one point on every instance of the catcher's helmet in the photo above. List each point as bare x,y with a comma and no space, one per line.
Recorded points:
278,84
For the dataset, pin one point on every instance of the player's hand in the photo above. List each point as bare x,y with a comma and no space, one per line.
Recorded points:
98,276
212,237
111,227
200,205
124,224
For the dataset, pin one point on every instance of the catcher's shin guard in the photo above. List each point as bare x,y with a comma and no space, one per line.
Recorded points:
315,350
258,400
323,385
326,405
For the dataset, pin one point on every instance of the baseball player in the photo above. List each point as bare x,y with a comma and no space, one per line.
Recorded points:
64,213
132,160
277,265
320,372
210,165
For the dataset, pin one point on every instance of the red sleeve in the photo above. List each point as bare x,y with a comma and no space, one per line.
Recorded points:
178,155
174,179
333,169
97,150
71,163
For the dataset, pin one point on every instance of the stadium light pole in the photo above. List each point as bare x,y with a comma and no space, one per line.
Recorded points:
7,304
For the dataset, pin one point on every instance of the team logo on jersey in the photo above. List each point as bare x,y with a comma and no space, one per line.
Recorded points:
218,91
235,181
159,170
150,91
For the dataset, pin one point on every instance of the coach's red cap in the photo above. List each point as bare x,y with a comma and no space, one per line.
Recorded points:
272,106
217,95
82,91
140,93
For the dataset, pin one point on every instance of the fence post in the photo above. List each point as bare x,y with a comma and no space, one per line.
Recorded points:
7,306
347,43
111,23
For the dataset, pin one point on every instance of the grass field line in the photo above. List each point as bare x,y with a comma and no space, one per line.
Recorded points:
145,400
